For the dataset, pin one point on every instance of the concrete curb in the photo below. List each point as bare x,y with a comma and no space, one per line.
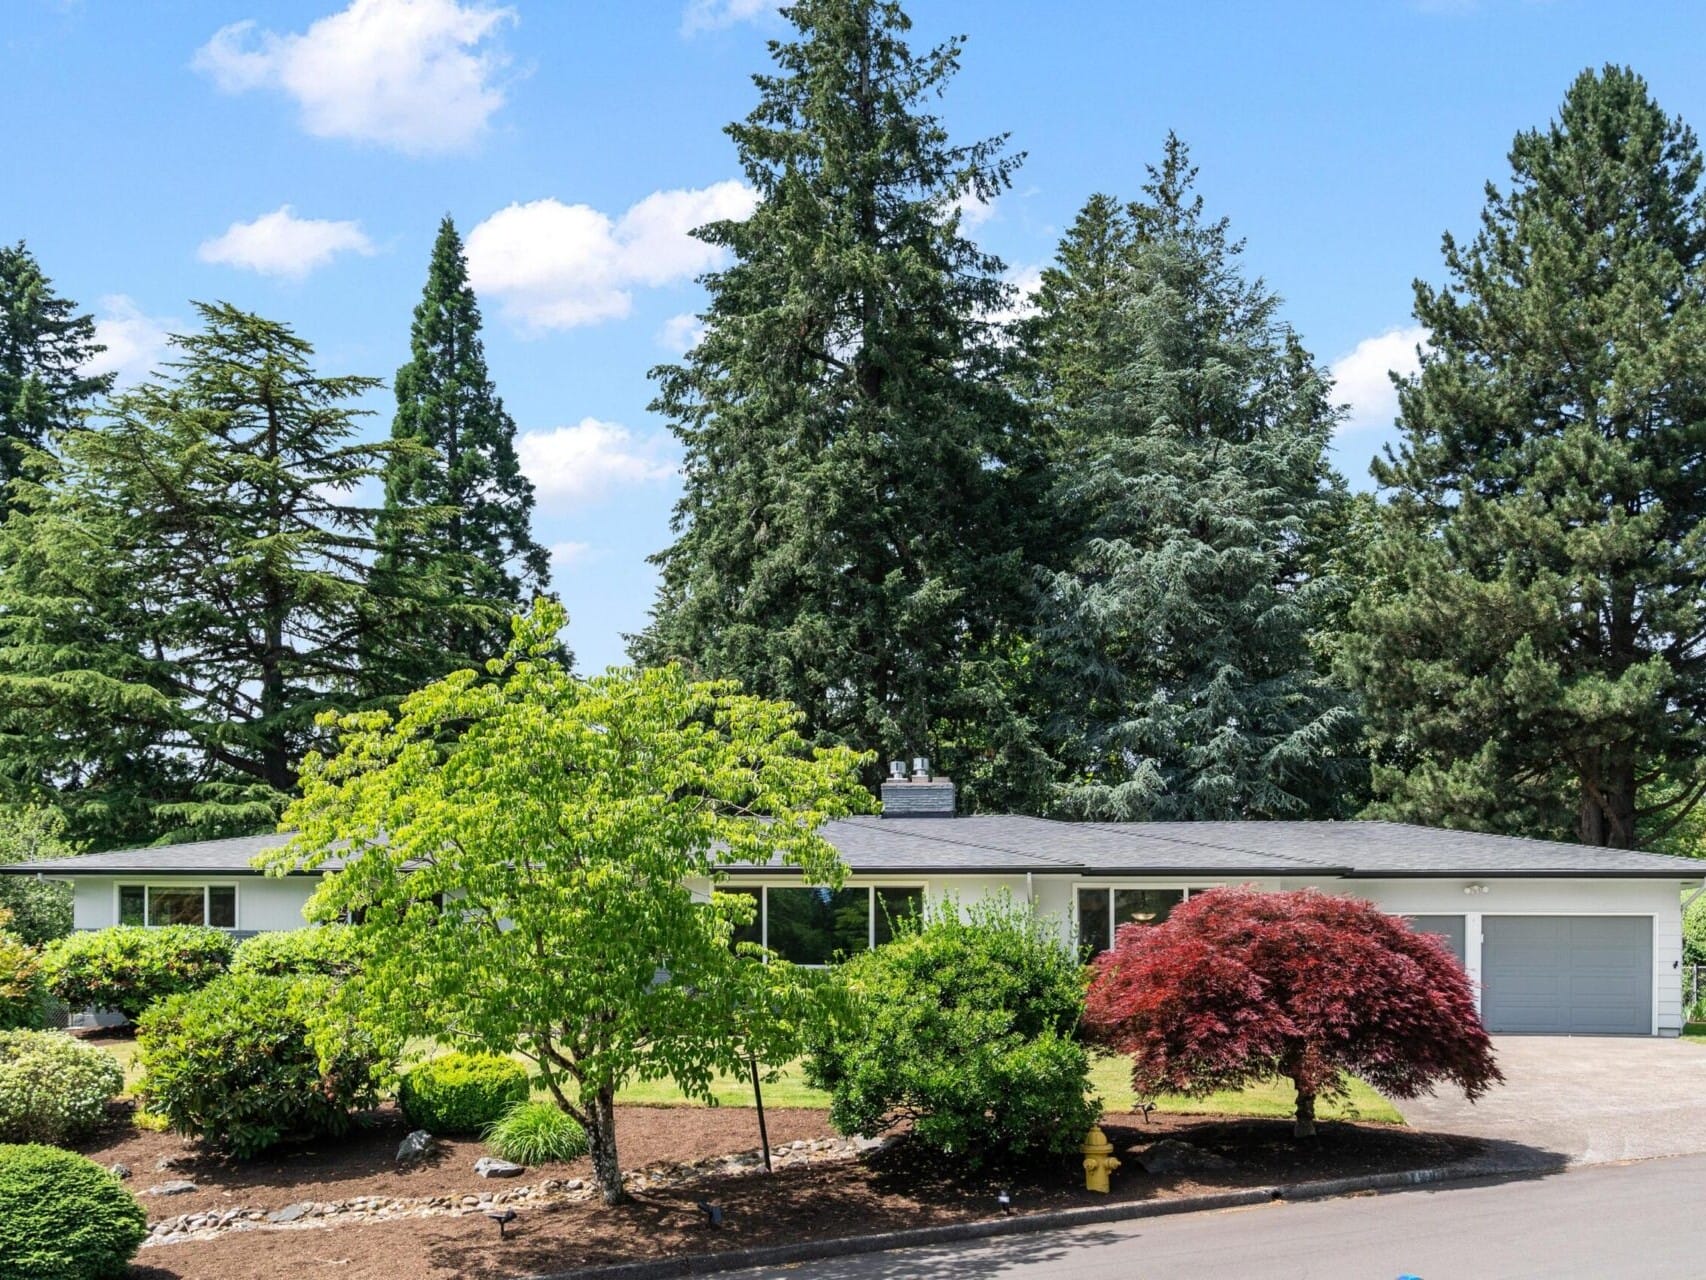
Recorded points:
778,1255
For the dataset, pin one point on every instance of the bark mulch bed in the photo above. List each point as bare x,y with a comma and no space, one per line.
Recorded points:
890,1190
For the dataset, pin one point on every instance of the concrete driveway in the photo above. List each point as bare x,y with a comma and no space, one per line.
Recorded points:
1588,1099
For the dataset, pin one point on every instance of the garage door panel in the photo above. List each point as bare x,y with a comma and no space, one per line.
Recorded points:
1570,974
1449,929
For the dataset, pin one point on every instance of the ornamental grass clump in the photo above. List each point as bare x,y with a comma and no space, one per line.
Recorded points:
63,1217
1238,986
53,1088
535,1133
462,1092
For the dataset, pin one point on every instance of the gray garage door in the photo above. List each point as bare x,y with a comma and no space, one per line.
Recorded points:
1577,974
1449,928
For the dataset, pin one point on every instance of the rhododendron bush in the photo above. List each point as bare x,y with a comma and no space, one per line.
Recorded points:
1237,985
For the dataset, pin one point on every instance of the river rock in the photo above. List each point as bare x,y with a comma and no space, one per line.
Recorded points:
487,1167
176,1187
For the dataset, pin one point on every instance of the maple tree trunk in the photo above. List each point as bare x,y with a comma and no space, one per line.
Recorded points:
1305,1127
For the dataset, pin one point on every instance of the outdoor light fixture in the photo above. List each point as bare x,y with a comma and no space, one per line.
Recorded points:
1475,888
713,1212
503,1217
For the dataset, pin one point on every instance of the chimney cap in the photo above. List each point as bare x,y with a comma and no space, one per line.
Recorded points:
897,770
921,768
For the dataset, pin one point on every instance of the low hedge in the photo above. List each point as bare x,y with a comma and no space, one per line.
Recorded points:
462,1092
252,1059
63,1217
333,950
53,1088
128,968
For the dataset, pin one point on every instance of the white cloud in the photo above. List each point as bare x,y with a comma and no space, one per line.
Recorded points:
281,244
973,210
680,334
415,75
1361,378
568,555
555,265
587,460
1022,303
714,15
135,342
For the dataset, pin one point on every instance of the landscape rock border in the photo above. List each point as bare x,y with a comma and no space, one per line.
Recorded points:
1052,1220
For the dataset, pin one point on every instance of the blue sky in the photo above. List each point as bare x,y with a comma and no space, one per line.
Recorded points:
298,166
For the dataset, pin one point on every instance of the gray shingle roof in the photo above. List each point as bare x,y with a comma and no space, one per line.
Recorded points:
996,843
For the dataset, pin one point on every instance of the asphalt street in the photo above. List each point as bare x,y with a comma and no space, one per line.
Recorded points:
1608,1221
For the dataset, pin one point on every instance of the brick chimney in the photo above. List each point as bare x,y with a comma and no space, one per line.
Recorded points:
917,796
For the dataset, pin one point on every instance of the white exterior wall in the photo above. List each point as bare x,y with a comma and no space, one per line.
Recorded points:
264,903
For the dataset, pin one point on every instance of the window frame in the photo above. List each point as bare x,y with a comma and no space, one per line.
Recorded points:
1108,888
206,886
870,888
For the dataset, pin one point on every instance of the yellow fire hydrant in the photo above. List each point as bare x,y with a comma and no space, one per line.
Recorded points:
1099,1160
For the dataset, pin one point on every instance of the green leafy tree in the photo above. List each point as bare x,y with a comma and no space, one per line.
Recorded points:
45,346
857,503
1532,648
41,909
450,577
1174,661
190,590
561,826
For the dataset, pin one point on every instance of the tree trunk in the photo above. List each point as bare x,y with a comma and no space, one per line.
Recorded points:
1606,814
1305,1127
758,1100
606,1167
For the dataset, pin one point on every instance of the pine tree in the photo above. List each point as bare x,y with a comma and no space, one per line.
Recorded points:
450,576
852,535
1175,662
44,346
216,509
1533,646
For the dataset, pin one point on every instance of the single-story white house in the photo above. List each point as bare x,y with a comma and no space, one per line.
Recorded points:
1558,937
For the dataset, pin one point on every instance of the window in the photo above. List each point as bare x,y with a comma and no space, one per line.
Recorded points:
1101,912
815,926
157,905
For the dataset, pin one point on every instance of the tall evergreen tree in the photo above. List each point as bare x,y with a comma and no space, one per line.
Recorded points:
451,575
852,533
217,508
1533,645
44,346
1191,429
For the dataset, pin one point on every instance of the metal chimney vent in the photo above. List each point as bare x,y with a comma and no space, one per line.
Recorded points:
897,770
921,768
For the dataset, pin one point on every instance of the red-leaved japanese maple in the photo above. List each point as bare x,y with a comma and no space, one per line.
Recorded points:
1238,985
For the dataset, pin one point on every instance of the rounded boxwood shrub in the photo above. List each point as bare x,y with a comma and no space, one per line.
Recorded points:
251,1059
128,968
63,1217
535,1133
462,1092
332,950
966,1027
53,1088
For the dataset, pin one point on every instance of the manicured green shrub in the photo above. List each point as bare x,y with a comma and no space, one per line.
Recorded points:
462,1092
536,1133
1694,933
63,1217
53,1088
250,1060
333,950
23,990
964,1026
129,967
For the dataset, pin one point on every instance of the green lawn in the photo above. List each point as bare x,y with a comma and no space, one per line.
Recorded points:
1109,1077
